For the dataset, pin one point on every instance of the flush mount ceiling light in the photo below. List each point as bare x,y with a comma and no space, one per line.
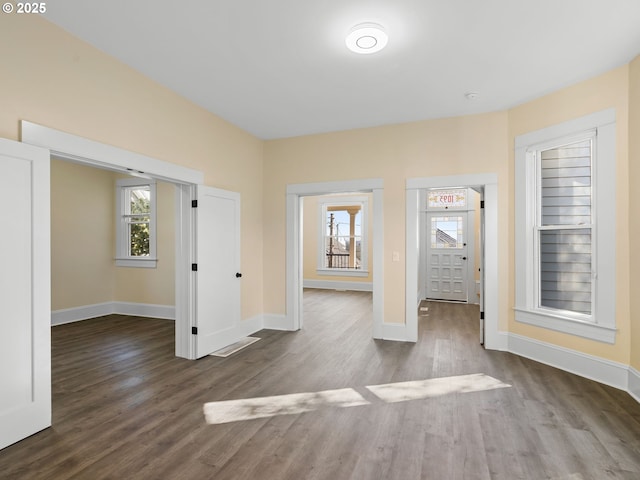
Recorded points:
366,38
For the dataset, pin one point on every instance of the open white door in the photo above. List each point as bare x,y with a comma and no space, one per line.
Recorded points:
25,292
218,270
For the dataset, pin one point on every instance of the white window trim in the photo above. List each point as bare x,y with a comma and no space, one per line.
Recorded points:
123,259
345,200
601,325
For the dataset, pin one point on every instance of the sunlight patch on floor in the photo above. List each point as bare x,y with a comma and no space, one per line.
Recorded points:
435,387
262,407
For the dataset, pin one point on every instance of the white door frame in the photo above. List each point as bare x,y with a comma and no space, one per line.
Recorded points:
489,181
294,277
81,150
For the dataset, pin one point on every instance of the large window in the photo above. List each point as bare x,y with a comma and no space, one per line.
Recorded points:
136,218
343,236
565,227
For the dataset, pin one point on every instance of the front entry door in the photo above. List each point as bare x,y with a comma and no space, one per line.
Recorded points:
25,292
447,256
218,270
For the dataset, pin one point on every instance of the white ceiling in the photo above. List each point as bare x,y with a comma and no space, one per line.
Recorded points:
280,68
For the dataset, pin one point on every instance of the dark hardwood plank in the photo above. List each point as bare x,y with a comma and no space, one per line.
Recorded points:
125,407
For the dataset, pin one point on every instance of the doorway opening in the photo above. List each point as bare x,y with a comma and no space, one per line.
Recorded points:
451,244
336,252
295,245
86,281
487,248
86,152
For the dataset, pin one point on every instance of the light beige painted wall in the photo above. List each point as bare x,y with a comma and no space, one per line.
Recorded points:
155,286
605,91
454,146
310,242
82,234
51,78
634,210
83,270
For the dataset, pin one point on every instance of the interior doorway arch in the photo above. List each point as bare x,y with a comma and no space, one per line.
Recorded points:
488,182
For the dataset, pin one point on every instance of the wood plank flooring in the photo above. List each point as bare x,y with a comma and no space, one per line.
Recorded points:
125,408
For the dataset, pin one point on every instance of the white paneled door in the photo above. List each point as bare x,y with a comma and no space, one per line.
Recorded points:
25,292
218,275
447,256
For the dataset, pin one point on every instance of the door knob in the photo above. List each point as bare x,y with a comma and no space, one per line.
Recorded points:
238,275
464,258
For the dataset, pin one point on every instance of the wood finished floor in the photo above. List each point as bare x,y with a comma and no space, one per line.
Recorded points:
125,408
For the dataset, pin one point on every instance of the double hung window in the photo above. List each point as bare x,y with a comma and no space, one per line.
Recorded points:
136,223
343,236
565,227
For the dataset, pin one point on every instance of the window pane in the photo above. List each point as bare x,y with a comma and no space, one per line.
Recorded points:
140,200
139,239
565,269
566,184
447,198
339,252
447,232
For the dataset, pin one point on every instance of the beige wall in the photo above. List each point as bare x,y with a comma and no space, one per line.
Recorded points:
82,234
310,242
83,270
634,210
51,78
454,146
605,91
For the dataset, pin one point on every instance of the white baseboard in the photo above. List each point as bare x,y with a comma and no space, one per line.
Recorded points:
338,285
594,368
249,326
396,332
273,321
634,383
145,310
76,314
69,315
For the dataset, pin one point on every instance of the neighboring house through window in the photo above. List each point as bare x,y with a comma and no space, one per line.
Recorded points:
565,227
343,236
136,223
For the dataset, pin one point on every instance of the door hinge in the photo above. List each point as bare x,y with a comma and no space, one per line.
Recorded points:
194,203
481,315
481,203
194,330
194,267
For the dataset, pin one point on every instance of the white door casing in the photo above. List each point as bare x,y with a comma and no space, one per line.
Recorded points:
217,277
25,291
490,281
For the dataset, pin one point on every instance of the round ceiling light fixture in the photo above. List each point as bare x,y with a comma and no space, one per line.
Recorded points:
366,38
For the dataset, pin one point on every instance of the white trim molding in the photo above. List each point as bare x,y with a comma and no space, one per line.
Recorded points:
600,322
594,368
294,277
338,285
634,384
273,321
85,312
394,331
493,340
77,149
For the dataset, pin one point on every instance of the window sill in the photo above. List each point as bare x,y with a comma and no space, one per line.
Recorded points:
342,272
137,262
571,326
